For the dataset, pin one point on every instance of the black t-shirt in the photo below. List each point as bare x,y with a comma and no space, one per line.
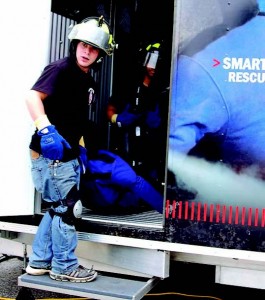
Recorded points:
67,105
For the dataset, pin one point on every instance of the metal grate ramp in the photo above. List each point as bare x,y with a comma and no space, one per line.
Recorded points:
147,219
104,287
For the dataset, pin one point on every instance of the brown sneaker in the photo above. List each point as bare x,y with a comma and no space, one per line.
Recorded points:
80,274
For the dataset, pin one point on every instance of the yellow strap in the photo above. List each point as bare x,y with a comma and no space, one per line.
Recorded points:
82,142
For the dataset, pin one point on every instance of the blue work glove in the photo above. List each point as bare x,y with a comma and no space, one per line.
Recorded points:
126,118
153,118
83,159
117,171
52,143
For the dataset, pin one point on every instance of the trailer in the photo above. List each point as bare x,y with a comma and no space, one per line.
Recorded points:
132,251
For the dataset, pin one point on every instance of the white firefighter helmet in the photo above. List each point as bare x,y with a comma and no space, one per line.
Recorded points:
94,31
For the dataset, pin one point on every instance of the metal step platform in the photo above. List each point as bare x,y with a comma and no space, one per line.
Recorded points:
103,287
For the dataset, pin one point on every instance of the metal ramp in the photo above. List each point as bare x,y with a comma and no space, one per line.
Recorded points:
123,273
146,219
104,287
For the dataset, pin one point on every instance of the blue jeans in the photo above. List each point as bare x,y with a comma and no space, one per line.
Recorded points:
55,241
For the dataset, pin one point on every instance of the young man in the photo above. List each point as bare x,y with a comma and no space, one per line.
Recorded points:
58,104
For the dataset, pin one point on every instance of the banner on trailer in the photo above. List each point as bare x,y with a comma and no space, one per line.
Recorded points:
216,153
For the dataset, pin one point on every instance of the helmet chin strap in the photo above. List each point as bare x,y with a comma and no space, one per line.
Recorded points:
99,60
93,66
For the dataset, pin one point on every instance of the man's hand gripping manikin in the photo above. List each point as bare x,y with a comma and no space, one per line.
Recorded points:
125,118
